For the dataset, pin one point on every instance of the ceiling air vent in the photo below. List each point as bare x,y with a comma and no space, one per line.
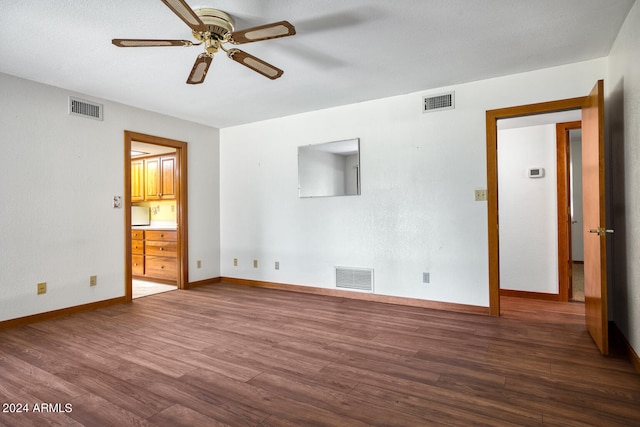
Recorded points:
445,101
354,279
80,107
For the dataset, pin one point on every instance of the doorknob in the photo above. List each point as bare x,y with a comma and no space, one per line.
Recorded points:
600,231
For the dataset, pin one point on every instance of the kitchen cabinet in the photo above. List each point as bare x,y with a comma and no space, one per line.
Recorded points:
160,178
154,255
154,178
137,180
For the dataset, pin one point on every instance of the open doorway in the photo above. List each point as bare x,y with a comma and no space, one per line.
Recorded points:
534,184
569,136
156,221
593,202
492,118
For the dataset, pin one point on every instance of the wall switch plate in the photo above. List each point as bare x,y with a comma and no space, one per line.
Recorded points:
425,278
235,262
42,288
481,195
198,264
93,280
277,265
255,263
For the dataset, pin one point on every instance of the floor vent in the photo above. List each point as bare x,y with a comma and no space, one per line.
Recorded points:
354,279
80,107
445,101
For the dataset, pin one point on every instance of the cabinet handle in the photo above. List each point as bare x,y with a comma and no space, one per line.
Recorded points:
162,267
162,235
162,249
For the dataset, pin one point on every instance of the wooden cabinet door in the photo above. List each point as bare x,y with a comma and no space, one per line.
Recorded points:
160,178
168,177
137,265
152,178
137,180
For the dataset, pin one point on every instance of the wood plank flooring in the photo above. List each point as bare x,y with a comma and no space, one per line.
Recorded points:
240,356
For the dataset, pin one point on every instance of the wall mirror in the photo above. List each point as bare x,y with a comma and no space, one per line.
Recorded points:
329,169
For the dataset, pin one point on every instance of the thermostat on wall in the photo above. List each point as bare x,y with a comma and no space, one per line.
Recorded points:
536,172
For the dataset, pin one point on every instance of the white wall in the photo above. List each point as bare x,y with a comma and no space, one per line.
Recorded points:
59,174
417,211
528,209
624,124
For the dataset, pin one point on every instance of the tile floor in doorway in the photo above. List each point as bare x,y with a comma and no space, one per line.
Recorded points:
142,288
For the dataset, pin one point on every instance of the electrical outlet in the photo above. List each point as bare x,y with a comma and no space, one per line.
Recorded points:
425,278
481,195
277,265
255,263
198,264
93,280
42,288
235,262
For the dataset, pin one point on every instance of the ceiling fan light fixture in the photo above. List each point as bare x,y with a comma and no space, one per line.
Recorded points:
213,28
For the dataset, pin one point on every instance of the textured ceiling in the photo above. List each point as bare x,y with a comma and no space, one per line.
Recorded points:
344,51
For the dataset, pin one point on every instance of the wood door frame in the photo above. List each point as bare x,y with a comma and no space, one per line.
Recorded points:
181,214
564,213
492,117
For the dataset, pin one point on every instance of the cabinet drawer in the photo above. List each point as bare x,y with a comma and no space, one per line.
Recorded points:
161,267
137,246
164,235
137,234
137,265
153,247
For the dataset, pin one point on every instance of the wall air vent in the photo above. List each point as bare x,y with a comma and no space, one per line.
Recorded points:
354,279
80,107
444,101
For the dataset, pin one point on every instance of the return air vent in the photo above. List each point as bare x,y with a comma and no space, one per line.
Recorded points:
354,279
80,107
445,101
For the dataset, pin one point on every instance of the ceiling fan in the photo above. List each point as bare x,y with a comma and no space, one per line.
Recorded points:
213,28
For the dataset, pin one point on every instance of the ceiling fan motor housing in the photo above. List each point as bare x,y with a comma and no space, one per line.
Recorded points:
218,23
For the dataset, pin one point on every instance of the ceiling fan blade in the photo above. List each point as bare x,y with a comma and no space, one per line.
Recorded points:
149,43
200,68
263,32
255,64
184,12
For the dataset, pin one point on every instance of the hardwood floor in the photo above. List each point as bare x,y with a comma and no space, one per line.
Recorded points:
241,356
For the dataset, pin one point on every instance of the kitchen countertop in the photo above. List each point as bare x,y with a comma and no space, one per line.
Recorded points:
151,227
160,225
